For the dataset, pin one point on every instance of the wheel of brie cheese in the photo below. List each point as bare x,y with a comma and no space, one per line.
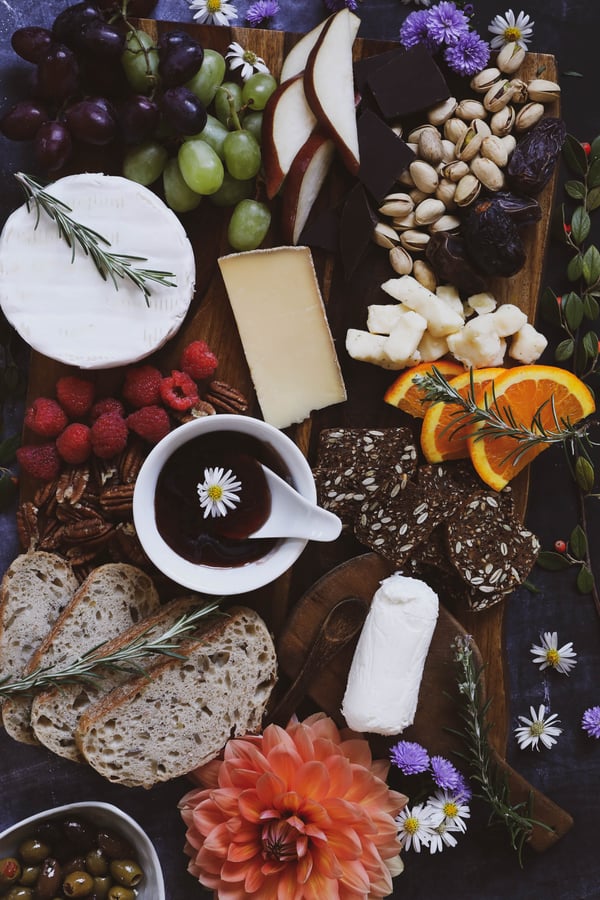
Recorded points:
59,303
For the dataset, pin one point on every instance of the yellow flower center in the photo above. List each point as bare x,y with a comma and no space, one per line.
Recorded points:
512,34
411,825
536,729
249,57
213,6
553,656
215,492
450,809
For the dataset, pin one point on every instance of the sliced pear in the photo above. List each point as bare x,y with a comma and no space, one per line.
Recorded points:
303,183
288,122
295,61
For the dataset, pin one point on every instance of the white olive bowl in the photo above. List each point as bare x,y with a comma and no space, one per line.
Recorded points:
209,579
105,816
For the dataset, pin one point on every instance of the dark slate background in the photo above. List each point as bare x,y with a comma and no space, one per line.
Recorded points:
482,867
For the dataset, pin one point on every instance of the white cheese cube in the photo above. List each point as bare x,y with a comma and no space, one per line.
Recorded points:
382,318
508,319
527,345
432,348
367,347
477,347
482,303
449,294
441,319
400,348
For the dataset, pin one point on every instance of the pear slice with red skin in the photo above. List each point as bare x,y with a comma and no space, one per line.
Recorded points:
303,183
295,61
288,122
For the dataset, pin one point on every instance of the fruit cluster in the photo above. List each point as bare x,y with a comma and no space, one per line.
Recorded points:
99,81
75,424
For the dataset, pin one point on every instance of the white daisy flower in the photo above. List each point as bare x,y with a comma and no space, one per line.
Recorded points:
213,12
218,492
415,827
245,60
442,837
448,809
537,728
508,28
549,655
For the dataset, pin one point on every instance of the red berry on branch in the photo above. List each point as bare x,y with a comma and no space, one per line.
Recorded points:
567,228
560,546
587,147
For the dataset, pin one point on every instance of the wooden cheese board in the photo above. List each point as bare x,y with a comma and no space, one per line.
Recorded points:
211,319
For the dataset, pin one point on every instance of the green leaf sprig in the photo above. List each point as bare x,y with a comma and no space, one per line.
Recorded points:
492,786
129,658
109,265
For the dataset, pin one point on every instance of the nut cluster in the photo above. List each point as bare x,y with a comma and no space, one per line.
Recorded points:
462,149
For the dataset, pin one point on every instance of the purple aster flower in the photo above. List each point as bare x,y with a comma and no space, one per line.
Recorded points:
591,721
410,757
335,5
261,11
446,23
462,790
415,30
469,55
444,773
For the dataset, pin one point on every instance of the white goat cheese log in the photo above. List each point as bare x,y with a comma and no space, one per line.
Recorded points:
386,671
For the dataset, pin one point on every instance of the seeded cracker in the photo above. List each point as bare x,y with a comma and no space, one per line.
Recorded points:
490,548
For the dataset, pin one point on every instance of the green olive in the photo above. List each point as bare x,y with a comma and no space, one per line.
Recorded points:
78,884
75,864
19,892
120,892
114,845
30,875
10,870
49,881
33,851
102,885
96,862
126,872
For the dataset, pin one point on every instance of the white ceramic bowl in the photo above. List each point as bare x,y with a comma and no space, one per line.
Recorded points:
216,579
103,815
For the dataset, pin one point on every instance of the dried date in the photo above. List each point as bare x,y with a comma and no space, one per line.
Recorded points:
447,256
522,210
492,239
535,156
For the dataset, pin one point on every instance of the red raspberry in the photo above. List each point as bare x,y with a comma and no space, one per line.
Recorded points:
151,423
107,405
142,386
46,417
75,395
178,391
39,460
198,361
109,435
74,445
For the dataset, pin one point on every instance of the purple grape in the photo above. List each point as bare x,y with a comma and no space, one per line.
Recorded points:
101,39
138,118
53,146
58,73
180,57
22,121
91,121
182,111
69,23
31,43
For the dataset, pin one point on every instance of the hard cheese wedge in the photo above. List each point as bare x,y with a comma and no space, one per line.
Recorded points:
281,319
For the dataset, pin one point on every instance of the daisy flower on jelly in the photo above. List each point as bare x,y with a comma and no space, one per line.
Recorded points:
415,827
415,30
509,28
538,728
261,11
590,721
245,60
446,23
410,757
548,654
469,55
449,809
442,837
213,12
219,491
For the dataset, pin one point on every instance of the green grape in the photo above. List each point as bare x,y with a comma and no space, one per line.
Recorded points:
253,123
222,105
242,154
140,61
178,195
258,89
214,133
209,76
232,191
201,168
248,225
144,163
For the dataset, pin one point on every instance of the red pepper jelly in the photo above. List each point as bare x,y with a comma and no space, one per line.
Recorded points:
220,540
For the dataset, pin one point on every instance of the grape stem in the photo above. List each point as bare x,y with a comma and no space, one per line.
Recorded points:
235,119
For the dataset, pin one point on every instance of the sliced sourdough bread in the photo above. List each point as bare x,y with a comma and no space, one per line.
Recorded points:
56,713
113,598
155,728
35,589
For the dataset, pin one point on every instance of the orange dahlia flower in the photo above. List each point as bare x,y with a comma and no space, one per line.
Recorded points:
294,814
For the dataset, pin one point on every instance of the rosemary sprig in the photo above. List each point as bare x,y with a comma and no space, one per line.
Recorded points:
498,420
128,658
493,788
109,265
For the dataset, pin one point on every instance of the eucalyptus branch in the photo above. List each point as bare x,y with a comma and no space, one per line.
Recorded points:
493,788
109,265
127,658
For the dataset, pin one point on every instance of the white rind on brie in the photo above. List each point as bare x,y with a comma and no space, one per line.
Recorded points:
63,308
385,676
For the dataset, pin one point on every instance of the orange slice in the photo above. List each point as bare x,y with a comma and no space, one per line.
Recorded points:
442,436
524,390
404,393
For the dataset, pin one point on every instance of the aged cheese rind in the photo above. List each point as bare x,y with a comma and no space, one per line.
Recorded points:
387,668
63,308
279,311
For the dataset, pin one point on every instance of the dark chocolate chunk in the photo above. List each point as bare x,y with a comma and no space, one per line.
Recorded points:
364,68
384,156
323,231
356,228
408,83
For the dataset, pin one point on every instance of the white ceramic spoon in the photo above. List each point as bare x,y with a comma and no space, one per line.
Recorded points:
293,516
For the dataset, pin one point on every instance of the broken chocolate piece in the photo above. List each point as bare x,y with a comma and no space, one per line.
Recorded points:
356,229
364,68
323,231
383,155
408,83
